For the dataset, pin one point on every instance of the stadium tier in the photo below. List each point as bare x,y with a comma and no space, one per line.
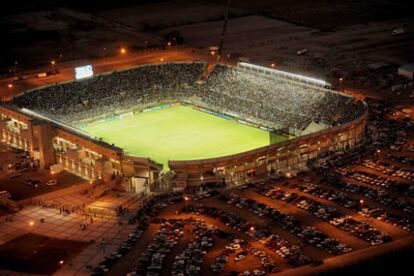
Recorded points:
319,118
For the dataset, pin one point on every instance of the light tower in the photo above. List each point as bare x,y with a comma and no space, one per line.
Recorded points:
226,19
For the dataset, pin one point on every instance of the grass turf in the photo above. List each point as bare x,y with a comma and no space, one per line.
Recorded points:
179,133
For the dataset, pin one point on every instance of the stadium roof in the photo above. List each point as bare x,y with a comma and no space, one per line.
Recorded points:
285,74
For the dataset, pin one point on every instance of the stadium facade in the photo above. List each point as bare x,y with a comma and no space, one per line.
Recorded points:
45,131
56,144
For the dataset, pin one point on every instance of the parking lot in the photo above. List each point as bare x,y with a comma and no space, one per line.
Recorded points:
21,178
289,226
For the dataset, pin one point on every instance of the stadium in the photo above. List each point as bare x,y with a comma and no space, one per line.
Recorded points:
204,122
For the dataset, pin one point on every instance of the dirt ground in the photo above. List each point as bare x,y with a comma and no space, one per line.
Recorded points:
38,254
323,14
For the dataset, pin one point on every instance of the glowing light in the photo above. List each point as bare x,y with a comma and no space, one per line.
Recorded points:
83,72
61,262
123,51
31,223
283,73
10,85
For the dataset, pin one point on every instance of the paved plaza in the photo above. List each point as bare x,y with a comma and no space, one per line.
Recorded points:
104,234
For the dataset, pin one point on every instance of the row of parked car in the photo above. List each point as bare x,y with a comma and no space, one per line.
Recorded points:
154,205
293,254
240,249
35,183
310,235
150,263
110,260
388,169
228,218
402,159
202,195
150,209
265,260
380,196
189,261
394,171
330,214
380,181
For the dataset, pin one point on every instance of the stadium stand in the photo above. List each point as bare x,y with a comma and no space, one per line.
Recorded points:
268,100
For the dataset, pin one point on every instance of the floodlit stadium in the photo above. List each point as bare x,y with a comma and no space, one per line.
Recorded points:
170,135
194,118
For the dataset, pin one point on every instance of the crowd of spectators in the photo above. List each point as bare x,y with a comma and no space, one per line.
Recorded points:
113,93
271,100
276,99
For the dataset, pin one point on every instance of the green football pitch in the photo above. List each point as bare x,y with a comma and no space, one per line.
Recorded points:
179,133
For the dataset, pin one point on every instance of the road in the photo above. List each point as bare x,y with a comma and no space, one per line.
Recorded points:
101,66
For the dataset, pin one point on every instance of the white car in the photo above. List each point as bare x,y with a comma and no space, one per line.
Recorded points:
51,182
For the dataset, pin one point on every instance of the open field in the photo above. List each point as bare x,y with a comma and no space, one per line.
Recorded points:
169,134
323,14
151,16
265,40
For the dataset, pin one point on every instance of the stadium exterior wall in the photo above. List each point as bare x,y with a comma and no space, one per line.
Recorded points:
286,156
54,143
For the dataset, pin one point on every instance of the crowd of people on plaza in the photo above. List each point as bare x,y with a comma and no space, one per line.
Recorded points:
272,100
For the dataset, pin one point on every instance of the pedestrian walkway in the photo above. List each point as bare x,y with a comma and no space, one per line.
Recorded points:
104,234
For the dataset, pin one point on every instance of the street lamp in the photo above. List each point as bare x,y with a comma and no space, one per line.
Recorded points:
186,199
123,51
361,202
340,83
10,85
273,65
53,65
